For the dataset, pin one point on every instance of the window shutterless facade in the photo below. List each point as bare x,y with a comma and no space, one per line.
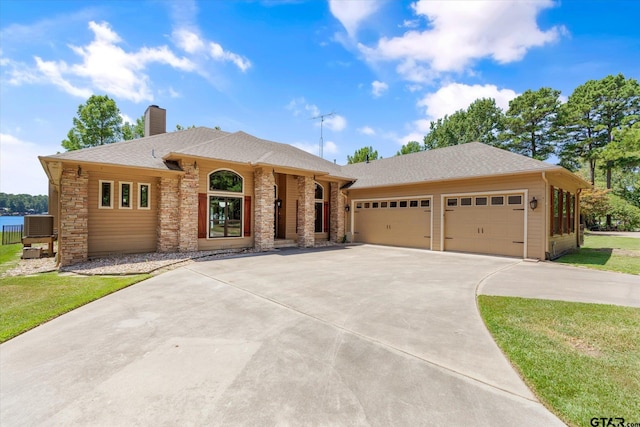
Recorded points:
105,196
125,195
144,196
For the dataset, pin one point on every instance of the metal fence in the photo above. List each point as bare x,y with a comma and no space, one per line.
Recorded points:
11,234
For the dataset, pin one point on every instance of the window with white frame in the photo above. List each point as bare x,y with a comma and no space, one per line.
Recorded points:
226,199
125,195
105,194
144,195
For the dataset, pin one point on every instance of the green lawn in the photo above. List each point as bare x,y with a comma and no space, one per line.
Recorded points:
581,360
28,301
610,253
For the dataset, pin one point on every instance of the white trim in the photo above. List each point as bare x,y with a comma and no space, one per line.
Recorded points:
221,191
100,182
523,191
422,196
120,184
140,184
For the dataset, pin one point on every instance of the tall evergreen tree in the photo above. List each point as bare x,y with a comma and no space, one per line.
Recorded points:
530,124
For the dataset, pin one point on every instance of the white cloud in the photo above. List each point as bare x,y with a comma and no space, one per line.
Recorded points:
188,41
455,96
329,147
336,123
366,130
352,13
461,32
20,169
378,88
300,105
217,52
107,67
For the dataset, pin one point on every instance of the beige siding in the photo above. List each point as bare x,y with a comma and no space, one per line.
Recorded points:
205,167
533,183
116,230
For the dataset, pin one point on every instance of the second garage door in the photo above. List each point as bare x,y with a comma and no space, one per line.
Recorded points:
488,224
394,222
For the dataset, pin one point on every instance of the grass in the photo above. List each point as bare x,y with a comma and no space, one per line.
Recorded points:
29,301
581,360
609,253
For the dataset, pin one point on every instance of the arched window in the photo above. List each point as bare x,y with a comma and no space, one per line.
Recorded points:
226,211
319,208
225,180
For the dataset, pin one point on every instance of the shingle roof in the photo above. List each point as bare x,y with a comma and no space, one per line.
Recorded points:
459,161
244,148
145,152
239,147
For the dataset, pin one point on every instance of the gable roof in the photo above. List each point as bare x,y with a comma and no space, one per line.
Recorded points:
469,160
240,147
147,152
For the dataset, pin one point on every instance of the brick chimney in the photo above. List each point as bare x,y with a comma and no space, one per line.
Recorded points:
155,120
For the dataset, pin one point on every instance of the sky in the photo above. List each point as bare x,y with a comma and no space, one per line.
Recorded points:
384,68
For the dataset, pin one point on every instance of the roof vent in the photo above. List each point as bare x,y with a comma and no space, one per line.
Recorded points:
155,120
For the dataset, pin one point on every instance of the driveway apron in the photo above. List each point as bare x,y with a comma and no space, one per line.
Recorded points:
359,335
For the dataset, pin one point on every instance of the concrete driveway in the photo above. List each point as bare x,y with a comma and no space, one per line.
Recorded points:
360,335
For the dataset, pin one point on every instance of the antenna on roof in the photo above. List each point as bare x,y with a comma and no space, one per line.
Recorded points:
321,117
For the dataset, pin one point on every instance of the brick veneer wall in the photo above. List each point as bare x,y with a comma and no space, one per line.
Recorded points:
168,214
73,234
188,210
264,209
336,213
306,212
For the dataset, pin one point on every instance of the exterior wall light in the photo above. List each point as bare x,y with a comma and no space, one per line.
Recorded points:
279,203
79,170
347,208
533,203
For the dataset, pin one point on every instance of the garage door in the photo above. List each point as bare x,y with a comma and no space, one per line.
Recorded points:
395,222
488,224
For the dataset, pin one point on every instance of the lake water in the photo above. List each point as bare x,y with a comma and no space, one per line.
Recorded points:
11,220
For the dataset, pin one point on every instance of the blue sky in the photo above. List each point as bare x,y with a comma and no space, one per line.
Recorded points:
386,68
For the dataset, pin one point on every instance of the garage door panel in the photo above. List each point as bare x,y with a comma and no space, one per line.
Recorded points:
490,229
398,226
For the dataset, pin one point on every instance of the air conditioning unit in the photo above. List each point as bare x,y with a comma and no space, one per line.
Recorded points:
38,225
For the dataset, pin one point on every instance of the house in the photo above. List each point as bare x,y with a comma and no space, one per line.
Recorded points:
206,189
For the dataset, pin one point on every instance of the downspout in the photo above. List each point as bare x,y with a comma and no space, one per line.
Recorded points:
546,213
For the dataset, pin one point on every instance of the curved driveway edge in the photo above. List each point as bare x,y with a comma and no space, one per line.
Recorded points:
545,280
352,336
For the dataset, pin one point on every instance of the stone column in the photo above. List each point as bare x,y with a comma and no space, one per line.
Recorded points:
336,213
188,211
168,214
264,209
306,212
73,246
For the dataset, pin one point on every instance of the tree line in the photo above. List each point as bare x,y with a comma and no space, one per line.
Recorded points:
23,204
595,133
99,121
